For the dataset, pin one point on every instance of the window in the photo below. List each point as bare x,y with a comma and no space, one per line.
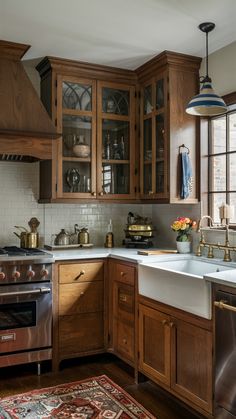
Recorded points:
222,162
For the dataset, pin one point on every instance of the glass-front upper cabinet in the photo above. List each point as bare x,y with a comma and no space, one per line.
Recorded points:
116,140
153,167
77,147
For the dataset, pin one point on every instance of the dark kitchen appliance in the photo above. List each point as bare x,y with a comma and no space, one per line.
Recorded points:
225,344
25,306
138,232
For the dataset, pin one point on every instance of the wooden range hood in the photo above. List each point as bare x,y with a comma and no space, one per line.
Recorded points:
26,129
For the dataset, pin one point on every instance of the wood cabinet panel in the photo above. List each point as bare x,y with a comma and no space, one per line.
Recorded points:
125,273
85,297
154,344
80,333
125,340
177,353
192,363
73,272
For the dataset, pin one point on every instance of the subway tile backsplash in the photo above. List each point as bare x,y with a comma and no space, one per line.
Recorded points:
19,185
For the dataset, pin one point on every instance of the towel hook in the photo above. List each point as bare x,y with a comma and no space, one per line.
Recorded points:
184,146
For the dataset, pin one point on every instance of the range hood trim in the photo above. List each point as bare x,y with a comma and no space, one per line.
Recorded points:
26,129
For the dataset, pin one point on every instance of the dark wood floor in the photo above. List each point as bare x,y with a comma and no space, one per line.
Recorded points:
24,378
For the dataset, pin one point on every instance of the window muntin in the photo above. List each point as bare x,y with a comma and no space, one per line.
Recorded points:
222,163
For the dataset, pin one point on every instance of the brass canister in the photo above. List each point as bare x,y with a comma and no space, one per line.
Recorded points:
32,240
83,236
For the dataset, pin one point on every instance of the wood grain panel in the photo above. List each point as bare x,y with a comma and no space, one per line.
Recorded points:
82,297
92,271
80,333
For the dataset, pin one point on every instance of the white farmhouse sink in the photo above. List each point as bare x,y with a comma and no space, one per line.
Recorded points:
180,283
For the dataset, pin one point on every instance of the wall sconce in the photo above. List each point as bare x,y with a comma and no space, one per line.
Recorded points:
207,103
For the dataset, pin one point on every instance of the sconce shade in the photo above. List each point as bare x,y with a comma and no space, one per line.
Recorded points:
207,103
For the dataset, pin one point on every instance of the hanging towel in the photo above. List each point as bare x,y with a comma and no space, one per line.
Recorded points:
186,176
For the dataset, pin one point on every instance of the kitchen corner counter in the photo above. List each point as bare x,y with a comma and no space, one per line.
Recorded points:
129,255
223,278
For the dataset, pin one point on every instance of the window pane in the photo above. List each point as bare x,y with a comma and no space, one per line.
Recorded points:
76,96
115,101
232,172
218,135
216,200
232,132
147,103
232,202
218,171
147,139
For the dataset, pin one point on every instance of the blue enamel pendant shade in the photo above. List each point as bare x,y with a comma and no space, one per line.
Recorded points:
207,103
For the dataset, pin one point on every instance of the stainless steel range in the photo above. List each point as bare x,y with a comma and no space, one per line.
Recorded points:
25,306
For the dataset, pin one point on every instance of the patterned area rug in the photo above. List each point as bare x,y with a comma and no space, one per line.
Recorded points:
97,397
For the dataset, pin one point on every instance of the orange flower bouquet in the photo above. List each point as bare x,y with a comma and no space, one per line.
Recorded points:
183,226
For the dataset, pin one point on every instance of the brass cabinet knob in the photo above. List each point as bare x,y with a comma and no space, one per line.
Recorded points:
172,325
93,193
150,192
164,322
82,293
80,274
122,273
125,341
101,193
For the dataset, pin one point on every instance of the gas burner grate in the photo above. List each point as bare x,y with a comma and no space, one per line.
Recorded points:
18,251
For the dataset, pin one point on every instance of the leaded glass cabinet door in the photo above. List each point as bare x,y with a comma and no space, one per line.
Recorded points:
77,148
153,111
116,141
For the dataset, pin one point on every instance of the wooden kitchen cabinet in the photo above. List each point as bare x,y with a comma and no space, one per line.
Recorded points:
122,310
79,321
167,83
175,351
94,108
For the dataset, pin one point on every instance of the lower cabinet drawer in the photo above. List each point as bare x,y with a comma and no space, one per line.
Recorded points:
85,297
125,340
81,333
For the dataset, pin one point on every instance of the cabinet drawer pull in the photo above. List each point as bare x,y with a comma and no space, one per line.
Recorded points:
123,298
93,193
125,341
80,274
101,193
222,305
123,273
164,322
171,324
82,293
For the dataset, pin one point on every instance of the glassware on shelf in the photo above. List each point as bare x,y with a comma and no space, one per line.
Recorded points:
80,149
107,148
122,148
115,151
73,179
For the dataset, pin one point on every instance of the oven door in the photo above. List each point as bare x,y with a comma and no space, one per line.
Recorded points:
25,317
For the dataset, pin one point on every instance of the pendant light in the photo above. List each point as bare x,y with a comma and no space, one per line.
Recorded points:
207,103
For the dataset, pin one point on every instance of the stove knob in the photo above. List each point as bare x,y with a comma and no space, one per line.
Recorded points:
16,275
44,272
2,276
30,273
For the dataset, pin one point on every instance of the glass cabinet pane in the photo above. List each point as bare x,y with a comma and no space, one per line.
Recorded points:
115,178
77,133
76,177
115,140
76,96
147,178
160,131
159,177
115,101
147,100
147,139
160,94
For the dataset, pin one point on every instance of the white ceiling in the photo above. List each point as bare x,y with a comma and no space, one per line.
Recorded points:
122,33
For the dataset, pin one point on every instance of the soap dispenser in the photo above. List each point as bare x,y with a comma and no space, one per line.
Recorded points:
109,241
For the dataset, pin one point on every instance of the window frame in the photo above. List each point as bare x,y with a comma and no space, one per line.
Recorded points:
230,101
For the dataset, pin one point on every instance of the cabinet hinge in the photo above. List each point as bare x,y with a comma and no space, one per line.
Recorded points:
56,187
135,127
138,355
135,189
56,121
135,94
168,96
108,337
56,82
136,171
55,102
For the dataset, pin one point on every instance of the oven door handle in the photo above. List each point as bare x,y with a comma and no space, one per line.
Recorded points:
222,305
37,291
